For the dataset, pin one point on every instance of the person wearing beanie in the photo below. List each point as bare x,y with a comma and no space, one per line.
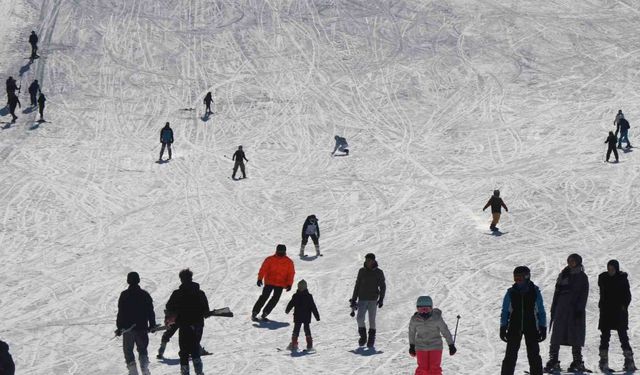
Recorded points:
615,298
522,314
568,322
310,228
303,306
426,329
7,367
368,296
277,272
497,204
135,318
189,305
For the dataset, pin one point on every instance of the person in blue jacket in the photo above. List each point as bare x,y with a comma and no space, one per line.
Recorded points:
523,314
166,138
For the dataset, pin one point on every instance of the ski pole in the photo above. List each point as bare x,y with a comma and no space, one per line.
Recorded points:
455,334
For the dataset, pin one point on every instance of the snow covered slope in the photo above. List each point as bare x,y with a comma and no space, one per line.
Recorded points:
442,101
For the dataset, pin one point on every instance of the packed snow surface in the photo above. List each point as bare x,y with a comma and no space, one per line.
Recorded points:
441,101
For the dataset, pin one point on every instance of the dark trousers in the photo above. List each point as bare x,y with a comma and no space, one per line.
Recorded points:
554,353
612,148
168,334
533,353
605,336
34,50
208,105
297,326
137,338
34,98
305,239
189,339
168,146
235,169
624,136
41,110
266,292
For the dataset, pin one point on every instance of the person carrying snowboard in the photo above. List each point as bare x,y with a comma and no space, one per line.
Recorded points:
523,314
623,129
368,296
277,271
33,40
426,329
34,88
310,228
341,145
497,204
41,103
615,298
189,305
239,159
166,138
611,140
207,102
135,318
568,321
303,306
7,367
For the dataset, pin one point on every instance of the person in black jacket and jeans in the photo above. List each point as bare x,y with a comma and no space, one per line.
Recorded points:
303,304
189,304
368,296
135,317
497,204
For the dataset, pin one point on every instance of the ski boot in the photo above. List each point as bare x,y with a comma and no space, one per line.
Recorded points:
144,365
372,339
552,367
163,346
629,363
310,348
133,369
184,369
577,367
197,366
301,251
318,251
603,364
254,317
293,345
363,336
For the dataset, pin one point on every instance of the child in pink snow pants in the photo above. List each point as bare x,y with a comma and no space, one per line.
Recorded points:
426,329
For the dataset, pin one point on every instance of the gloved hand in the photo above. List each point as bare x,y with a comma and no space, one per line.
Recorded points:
380,303
118,332
412,350
353,304
452,349
503,333
542,334
259,283
288,288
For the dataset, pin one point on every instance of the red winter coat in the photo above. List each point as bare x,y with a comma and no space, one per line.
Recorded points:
277,271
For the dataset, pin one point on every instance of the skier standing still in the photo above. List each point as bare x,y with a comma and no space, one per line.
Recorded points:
368,296
166,138
623,129
239,159
496,204
612,140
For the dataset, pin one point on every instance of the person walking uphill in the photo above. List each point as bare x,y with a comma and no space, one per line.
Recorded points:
7,367
166,138
368,296
568,322
239,159
522,314
310,228
135,318
426,329
497,204
303,304
612,140
615,298
277,271
190,305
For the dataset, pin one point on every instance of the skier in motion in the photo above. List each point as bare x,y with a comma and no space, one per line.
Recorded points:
310,228
207,102
34,88
277,271
303,306
33,40
166,138
239,159
341,145
496,204
611,140
368,296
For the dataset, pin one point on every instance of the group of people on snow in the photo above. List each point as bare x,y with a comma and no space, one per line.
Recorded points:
622,129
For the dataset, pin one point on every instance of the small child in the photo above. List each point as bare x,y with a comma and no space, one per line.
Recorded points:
304,306
426,329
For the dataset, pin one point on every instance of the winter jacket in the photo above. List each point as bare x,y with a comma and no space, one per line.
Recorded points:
166,135
568,307
11,86
135,306
311,227
523,309
239,157
277,271
623,126
33,39
425,332
208,98
7,367
41,100
34,88
612,140
189,304
370,284
341,143
615,297
302,302
496,204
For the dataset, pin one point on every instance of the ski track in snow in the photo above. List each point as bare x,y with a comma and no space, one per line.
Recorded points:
441,101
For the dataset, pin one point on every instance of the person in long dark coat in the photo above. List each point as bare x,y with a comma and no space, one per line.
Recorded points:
615,298
568,308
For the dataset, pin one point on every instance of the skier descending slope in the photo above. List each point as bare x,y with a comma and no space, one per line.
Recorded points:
239,159
190,306
135,309
310,228
615,297
303,306
522,314
568,322
277,271
166,138
341,145
7,367
496,204
611,140
426,329
368,296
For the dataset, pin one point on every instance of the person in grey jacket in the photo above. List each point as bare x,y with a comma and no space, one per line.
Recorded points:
368,296
426,329
568,321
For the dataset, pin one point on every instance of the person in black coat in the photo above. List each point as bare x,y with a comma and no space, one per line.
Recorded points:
41,103
207,102
14,102
303,305
612,140
497,204
12,87
33,40
615,298
239,159
190,306
368,295
34,88
7,367
135,317
310,228
166,138
623,129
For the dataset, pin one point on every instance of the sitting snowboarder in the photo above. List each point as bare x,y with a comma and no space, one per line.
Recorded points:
341,145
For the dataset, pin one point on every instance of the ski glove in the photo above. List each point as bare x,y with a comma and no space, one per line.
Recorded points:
412,350
503,333
259,283
542,334
353,304
118,332
380,303
288,288
452,349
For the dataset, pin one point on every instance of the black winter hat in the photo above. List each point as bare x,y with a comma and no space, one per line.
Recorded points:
522,270
281,248
133,278
575,257
615,264
371,256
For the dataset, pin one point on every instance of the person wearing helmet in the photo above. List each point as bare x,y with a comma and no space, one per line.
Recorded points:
522,314
310,228
239,159
341,145
496,204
